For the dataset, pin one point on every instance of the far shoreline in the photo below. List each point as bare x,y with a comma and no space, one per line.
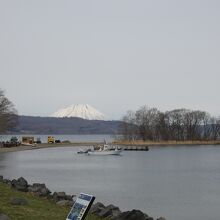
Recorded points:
166,143
120,143
46,145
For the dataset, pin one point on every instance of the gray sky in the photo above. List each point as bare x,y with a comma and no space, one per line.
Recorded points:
115,55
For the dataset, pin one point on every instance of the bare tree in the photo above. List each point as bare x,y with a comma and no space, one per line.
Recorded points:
129,127
193,123
215,128
175,124
179,124
147,120
162,127
8,114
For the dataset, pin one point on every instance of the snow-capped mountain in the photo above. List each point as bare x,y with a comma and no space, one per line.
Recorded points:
80,111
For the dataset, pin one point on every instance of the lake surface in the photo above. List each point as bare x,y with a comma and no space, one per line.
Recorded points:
175,182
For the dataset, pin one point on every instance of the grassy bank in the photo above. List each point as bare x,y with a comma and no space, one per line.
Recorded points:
166,143
37,208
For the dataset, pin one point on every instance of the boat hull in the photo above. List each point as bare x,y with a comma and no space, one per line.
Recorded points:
105,153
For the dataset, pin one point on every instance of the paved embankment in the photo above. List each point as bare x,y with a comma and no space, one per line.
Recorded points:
45,145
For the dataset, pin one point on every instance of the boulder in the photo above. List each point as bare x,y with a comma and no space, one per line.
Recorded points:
161,218
109,211
18,201
132,215
4,217
69,197
96,208
40,189
36,187
58,196
20,184
44,192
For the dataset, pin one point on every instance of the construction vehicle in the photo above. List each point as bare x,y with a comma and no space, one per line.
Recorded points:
50,140
27,140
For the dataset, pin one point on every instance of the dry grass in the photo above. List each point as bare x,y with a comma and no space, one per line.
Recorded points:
166,143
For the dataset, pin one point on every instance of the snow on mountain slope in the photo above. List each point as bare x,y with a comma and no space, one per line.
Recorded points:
80,111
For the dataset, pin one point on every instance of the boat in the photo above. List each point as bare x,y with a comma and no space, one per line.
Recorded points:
83,151
105,150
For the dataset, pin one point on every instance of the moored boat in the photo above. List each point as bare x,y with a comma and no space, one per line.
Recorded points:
83,151
105,150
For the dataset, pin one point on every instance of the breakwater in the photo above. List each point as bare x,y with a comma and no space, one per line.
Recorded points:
63,199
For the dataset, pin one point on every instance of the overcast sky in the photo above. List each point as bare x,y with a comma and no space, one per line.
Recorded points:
115,55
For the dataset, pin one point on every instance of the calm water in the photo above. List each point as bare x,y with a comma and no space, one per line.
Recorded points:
177,183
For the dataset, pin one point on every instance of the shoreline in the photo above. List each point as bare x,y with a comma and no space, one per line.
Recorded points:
45,145
120,143
165,143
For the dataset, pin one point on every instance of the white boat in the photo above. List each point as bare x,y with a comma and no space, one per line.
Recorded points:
105,150
83,151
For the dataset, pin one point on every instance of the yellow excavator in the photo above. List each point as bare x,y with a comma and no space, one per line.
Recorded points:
50,140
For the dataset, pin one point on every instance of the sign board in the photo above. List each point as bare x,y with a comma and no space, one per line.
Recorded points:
81,207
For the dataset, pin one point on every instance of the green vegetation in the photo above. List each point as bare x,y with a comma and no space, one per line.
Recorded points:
37,208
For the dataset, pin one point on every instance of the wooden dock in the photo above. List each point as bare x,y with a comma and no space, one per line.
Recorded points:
135,148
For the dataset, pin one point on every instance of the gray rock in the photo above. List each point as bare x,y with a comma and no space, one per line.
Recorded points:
4,217
109,211
61,194
58,196
132,215
97,208
18,201
40,189
36,187
161,218
44,192
69,197
20,184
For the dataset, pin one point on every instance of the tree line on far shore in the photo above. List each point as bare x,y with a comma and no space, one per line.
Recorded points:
150,124
147,124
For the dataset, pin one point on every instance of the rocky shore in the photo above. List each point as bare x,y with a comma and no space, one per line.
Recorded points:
62,199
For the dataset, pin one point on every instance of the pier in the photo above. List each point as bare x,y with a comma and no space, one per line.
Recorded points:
135,148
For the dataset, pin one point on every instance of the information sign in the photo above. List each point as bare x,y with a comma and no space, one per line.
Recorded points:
81,207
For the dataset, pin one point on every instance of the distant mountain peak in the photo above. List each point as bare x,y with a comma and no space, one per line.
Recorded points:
84,111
